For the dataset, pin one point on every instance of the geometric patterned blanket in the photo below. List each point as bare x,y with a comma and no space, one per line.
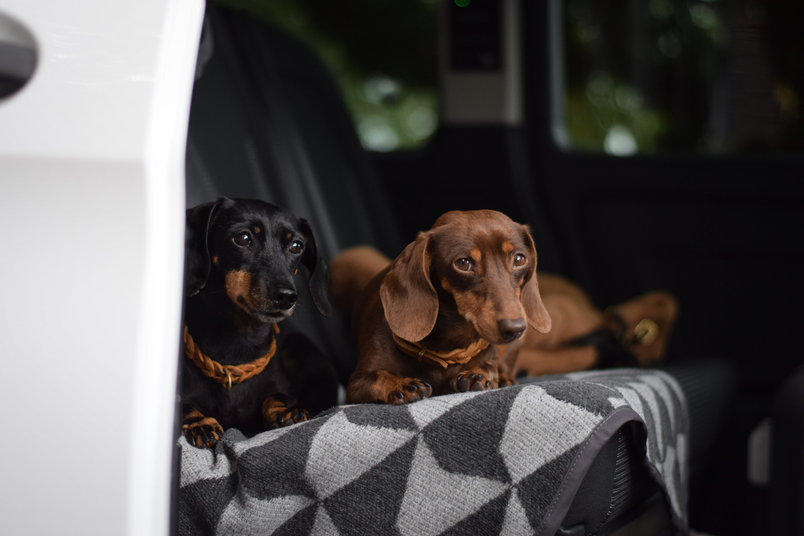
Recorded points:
506,461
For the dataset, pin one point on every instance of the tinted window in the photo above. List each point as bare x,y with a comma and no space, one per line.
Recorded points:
383,55
709,76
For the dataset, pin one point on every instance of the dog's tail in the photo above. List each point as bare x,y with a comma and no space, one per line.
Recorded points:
351,271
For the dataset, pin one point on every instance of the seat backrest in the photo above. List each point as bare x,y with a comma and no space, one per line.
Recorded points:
267,121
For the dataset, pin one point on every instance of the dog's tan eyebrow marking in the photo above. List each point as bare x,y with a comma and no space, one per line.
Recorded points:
257,229
507,247
288,236
476,254
215,259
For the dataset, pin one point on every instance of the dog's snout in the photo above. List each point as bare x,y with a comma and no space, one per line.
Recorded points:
511,328
284,298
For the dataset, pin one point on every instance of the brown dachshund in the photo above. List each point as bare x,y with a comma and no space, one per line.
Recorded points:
634,332
429,323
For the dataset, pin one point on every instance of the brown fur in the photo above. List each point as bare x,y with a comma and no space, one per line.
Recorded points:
350,273
575,315
424,298
572,313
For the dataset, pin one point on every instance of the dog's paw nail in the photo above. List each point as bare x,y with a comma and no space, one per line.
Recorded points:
427,385
460,377
399,395
412,387
488,383
472,376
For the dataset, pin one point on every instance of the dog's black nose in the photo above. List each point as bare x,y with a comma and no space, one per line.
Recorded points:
511,329
284,298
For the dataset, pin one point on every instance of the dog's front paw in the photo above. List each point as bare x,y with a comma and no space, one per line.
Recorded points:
505,381
408,390
473,379
290,416
201,431
277,415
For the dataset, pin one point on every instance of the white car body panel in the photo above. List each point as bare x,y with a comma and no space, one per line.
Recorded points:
91,241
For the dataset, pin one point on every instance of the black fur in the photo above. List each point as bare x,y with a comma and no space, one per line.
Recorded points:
235,333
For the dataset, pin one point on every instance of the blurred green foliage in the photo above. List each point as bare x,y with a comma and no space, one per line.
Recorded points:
593,111
640,76
383,55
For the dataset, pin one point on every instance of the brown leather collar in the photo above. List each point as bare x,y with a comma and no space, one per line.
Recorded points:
226,375
443,359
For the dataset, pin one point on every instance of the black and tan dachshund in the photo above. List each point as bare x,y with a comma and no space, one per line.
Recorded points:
241,257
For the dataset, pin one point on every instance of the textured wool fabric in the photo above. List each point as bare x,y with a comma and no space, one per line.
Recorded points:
507,461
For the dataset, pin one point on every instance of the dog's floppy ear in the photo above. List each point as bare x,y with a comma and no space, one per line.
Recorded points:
408,296
531,300
196,249
319,274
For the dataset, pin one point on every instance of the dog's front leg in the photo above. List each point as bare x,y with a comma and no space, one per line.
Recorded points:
506,362
201,431
276,414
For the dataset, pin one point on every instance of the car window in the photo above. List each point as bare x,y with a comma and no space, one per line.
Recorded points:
704,76
383,55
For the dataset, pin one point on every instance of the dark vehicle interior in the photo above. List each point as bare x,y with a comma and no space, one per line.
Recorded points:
649,145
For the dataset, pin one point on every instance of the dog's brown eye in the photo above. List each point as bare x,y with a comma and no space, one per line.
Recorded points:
242,239
463,264
520,260
296,247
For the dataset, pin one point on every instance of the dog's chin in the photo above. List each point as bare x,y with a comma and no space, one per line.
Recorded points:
265,315
494,337
497,340
271,317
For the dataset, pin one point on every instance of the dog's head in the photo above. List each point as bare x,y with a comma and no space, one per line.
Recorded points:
252,249
482,260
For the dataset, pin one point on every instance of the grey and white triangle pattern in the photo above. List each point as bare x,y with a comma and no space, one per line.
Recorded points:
471,463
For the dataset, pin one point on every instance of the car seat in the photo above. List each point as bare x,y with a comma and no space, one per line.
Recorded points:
267,121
